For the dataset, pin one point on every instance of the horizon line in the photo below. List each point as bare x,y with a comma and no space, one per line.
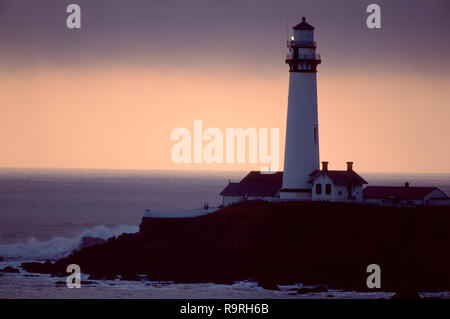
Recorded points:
195,170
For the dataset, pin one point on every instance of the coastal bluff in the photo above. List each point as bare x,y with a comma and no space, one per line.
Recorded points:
316,243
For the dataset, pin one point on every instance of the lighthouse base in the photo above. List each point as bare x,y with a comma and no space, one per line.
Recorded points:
295,193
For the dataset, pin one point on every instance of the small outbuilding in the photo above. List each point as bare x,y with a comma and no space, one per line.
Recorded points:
337,186
405,196
254,186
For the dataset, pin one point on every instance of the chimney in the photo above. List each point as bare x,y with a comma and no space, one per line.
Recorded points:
406,184
324,166
349,166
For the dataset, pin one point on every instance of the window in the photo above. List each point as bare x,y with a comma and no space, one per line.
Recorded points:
340,193
328,189
315,135
349,191
318,189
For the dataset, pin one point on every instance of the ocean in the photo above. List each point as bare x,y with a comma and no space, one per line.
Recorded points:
45,213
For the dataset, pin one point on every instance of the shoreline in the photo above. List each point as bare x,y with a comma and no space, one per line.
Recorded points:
20,286
276,244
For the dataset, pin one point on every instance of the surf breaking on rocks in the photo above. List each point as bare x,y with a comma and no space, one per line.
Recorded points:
59,247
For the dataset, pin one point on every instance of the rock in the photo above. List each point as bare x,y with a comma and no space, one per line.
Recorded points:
96,276
83,282
268,284
406,294
10,269
320,289
303,290
262,238
130,276
222,281
310,290
102,276
41,268
110,277
88,241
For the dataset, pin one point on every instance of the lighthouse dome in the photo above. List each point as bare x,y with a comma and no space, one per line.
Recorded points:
303,25
303,31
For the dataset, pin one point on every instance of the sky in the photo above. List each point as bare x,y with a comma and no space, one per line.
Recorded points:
109,95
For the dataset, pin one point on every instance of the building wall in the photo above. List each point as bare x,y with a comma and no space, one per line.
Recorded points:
323,180
413,202
439,202
388,202
358,192
265,198
303,35
374,201
295,196
302,146
339,193
228,200
434,194
427,200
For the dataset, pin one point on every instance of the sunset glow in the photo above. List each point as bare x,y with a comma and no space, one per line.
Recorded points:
114,103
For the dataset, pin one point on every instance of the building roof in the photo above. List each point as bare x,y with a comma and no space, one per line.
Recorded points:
340,177
303,25
255,184
399,192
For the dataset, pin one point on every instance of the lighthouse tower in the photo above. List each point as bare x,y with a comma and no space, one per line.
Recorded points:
301,156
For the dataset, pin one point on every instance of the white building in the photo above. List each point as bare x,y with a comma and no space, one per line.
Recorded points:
301,155
327,185
337,186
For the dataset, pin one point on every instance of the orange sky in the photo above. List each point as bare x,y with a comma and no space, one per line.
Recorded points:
121,117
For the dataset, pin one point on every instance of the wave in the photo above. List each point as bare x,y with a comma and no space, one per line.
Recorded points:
59,247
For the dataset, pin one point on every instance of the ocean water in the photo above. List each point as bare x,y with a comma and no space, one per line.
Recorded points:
48,203
45,213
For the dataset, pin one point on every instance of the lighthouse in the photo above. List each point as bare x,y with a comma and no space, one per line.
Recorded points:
301,156
302,178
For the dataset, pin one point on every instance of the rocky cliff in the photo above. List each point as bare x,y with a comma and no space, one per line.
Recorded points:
280,243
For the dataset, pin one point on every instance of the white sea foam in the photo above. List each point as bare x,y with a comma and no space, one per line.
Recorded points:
59,247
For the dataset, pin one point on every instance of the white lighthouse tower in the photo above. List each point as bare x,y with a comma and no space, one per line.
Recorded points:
301,156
